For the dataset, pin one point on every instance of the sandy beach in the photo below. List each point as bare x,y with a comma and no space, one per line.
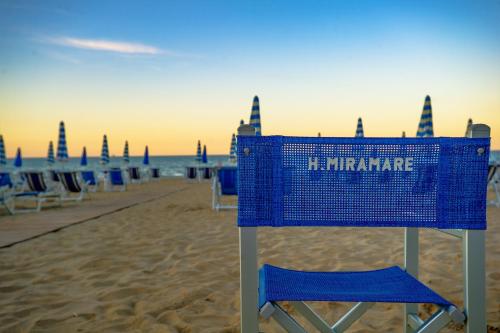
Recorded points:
171,265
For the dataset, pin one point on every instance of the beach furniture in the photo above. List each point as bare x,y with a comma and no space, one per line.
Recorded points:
155,173
225,183
134,174
10,193
115,180
38,189
493,180
90,179
74,190
191,173
275,190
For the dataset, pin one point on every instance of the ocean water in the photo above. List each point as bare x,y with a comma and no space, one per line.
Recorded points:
170,166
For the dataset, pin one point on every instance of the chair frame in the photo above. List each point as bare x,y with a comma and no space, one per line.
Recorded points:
473,256
217,205
41,197
67,193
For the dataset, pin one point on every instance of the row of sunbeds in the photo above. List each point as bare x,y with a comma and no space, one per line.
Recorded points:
36,188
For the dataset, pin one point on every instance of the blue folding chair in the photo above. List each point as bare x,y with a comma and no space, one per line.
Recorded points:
437,183
39,190
90,179
191,173
493,180
74,189
134,174
155,173
225,183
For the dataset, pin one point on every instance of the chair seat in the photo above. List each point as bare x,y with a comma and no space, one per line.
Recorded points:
391,285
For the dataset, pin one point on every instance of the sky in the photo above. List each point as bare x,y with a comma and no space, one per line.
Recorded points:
167,73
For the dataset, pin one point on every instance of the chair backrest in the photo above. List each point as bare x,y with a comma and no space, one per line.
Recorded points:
191,172
134,173
70,181
35,181
155,172
88,177
5,180
116,176
228,180
54,176
366,182
207,173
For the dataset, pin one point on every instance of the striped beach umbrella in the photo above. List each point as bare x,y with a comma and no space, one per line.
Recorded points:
204,158
198,152
469,127
359,129
62,148
425,128
3,158
18,161
232,149
255,116
126,156
50,154
145,161
105,150
83,160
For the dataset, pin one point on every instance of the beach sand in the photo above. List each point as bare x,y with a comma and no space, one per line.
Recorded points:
171,265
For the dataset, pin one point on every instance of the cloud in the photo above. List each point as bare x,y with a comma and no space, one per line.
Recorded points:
107,46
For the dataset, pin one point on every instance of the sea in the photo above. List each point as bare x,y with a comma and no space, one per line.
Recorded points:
170,166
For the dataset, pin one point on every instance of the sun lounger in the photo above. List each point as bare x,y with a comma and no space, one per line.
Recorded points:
224,184
116,181
493,181
444,189
74,189
155,173
191,173
134,174
39,190
90,178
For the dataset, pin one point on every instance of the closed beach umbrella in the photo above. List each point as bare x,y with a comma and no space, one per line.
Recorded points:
255,116
50,154
83,160
3,158
126,157
145,161
105,151
18,161
469,126
204,158
232,149
62,148
359,129
198,152
425,128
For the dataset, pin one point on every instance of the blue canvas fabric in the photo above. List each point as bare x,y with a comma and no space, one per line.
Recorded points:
392,285
89,177
294,181
116,177
228,180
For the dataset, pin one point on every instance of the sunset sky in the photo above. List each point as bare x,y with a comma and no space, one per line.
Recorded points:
167,73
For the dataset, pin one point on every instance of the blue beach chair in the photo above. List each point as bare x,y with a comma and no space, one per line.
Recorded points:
224,184
155,173
74,190
134,174
90,179
440,184
493,181
116,180
191,173
39,190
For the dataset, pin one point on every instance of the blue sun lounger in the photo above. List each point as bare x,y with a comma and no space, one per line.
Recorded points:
434,183
90,179
224,183
74,190
39,190
134,174
155,173
493,181
116,180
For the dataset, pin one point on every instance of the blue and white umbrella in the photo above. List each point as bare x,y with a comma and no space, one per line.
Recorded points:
145,161
126,156
232,149
469,127
3,158
359,129
105,151
83,160
425,127
50,154
255,116
204,158
198,152
62,148
18,161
